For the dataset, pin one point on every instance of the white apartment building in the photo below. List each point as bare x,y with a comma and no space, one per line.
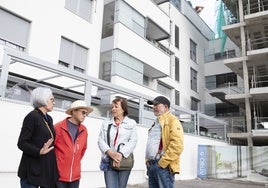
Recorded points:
156,47
95,50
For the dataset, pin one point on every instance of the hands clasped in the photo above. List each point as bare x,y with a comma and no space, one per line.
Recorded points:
117,157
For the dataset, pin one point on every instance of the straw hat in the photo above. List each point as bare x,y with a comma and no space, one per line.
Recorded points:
79,104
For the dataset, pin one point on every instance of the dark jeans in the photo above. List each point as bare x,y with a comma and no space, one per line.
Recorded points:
74,184
25,184
159,177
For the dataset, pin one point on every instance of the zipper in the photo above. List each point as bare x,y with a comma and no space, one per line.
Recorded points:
74,151
72,164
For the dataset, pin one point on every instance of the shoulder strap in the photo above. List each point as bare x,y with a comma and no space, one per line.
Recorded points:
108,134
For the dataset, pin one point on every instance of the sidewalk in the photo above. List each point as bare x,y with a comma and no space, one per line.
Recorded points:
210,183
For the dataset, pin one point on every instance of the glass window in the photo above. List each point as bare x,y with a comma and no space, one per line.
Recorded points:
105,66
224,55
130,18
210,109
211,82
177,97
108,20
193,50
146,81
177,69
81,8
177,36
14,30
193,80
194,104
224,109
224,79
73,55
127,67
220,81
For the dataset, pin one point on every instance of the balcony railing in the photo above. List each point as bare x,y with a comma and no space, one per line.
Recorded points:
216,56
68,85
259,81
257,43
257,6
233,88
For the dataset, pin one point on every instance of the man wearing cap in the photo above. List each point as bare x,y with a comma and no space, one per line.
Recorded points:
164,145
71,144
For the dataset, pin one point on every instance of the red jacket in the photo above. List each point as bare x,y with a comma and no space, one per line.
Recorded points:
69,154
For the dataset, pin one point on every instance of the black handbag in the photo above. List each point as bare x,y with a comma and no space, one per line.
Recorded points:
125,163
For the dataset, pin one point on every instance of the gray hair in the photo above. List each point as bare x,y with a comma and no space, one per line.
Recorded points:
40,96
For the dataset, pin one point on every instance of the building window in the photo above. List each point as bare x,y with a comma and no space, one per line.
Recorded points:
108,20
193,80
177,36
192,50
224,79
14,30
73,55
127,66
120,63
106,68
130,18
194,104
224,55
177,97
63,64
146,81
164,89
221,81
82,8
177,69
224,110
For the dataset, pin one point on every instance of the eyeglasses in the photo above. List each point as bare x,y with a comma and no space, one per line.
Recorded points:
52,99
83,112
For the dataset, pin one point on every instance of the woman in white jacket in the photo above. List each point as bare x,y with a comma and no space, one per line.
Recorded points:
122,132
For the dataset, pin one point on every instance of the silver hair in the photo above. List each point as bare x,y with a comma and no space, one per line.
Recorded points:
40,96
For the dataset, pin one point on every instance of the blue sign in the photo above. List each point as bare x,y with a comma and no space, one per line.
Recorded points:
202,161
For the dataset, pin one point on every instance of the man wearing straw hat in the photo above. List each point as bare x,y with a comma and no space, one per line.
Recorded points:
71,144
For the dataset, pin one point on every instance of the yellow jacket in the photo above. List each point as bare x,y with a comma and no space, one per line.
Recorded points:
172,140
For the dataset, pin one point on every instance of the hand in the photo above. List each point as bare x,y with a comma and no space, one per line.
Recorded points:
116,164
46,147
117,157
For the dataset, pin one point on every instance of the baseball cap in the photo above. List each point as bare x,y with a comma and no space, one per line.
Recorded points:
159,100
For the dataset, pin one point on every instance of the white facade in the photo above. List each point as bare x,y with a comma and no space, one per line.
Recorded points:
155,50
64,43
50,21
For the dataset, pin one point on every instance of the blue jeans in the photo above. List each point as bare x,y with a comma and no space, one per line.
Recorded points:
159,177
116,179
74,184
25,184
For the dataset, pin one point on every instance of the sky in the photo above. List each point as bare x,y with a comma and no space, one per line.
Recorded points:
208,14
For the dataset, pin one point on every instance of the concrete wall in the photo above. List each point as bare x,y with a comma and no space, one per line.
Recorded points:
12,114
